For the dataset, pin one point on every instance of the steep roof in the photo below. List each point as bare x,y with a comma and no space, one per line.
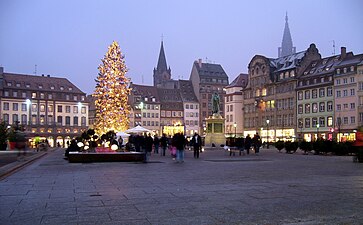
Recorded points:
240,81
145,91
46,83
210,70
286,45
186,91
287,62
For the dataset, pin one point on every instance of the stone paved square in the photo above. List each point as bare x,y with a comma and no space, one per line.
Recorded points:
272,188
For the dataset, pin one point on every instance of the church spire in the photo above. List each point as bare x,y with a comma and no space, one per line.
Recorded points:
161,73
162,66
286,45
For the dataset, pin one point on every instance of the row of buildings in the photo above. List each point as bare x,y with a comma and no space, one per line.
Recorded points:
299,95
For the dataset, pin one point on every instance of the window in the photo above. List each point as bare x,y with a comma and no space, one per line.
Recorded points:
307,108
307,94
6,118
315,107
329,91
300,123
345,105
314,93
307,122
187,106
15,118
75,121
34,95
67,97
50,108
15,106
59,108
6,106
42,120
75,109
330,121
6,93
15,94
339,94
83,110
34,107
339,107
345,80
42,95
59,120
42,107
23,94
352,80
23,107
330,106
345,93
24,119
321,92
300,95
337,81
314,121
352,92
345,120
83,121
52,87
352,105
322,107
352,119
68,120
68,109
300,109
50,96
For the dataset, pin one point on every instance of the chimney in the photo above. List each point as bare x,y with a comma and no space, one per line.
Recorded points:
1,70
343,52
200,63
43,75
48,75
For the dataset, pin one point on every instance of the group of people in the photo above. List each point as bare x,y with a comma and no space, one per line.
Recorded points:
248,142
176,145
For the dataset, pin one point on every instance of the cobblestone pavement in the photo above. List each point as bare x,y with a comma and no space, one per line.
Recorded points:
272,188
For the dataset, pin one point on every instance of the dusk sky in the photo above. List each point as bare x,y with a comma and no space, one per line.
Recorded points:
68,38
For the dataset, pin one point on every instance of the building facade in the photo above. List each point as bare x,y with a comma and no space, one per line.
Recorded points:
49,108
233,106
208,79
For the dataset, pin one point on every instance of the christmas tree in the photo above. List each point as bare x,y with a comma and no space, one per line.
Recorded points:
111,93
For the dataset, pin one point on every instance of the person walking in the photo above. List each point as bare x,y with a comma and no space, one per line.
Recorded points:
179,144
156,144
197,143
257,143
248,143
148,146
164,144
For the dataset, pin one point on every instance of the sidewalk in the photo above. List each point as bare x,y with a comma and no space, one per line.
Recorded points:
269,188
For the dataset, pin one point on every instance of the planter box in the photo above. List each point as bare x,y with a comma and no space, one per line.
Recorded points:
80,157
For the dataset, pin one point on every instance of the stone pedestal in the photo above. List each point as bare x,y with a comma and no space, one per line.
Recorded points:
215,131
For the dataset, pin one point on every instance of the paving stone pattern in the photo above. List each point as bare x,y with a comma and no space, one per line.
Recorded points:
272,188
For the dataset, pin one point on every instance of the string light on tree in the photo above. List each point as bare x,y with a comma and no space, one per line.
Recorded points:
111,93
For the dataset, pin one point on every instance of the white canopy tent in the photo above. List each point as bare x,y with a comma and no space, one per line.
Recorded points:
136,130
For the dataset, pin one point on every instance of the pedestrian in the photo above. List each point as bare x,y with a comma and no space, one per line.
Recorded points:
179,144
164,144
248,143
256,141
120,142
156,144
148,146
197,143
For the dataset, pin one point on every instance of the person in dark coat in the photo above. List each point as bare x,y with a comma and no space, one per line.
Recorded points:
179,141
164,144
248,143
156,144
256,141
148,146
197,143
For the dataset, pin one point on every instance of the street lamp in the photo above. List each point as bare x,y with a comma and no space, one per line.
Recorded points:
28,103
268,122
235,132
317,131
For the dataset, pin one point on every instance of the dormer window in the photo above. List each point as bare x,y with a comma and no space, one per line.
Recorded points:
17,84
70,89
8,84
345,70
145,99
338,71
61,88
52,87
27,85
40,86
352,69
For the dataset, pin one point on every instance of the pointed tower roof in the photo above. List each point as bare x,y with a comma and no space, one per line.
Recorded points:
162,66
286,45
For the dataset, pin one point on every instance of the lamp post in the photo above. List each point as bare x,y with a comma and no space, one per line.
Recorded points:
268,122
28,103
317,131
235,131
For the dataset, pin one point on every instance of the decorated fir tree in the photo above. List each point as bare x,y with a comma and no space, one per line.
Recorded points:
111,93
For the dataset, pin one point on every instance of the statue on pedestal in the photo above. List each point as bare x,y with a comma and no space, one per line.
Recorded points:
215,103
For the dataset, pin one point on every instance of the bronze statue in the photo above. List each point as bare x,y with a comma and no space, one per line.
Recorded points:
215,103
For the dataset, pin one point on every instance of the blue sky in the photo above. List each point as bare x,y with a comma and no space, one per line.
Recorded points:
68,38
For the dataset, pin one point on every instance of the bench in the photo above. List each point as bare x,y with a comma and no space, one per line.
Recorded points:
80,157
234,150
